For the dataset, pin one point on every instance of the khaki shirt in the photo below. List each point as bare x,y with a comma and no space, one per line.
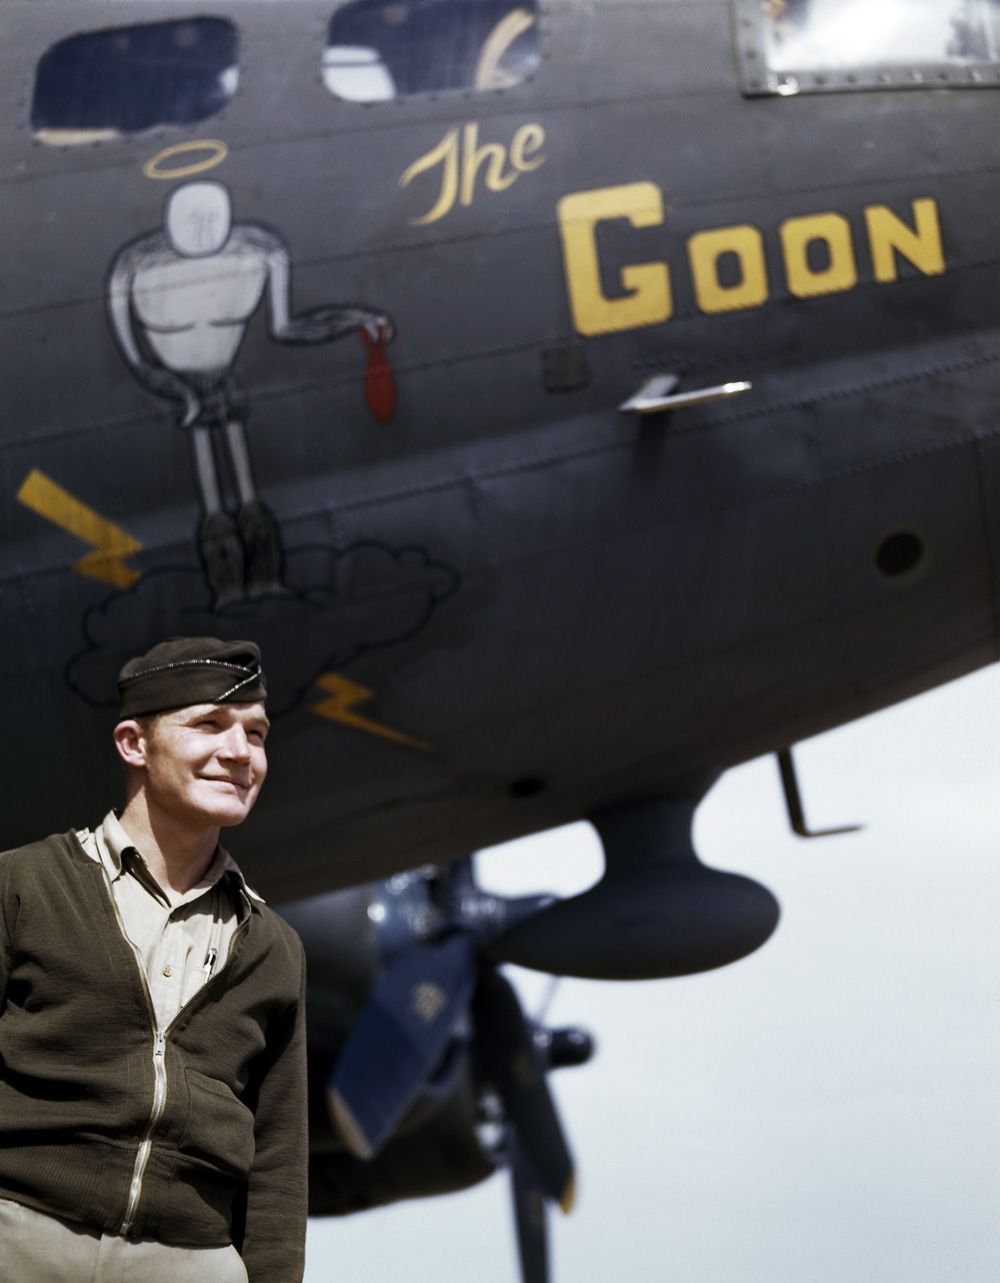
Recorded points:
179,939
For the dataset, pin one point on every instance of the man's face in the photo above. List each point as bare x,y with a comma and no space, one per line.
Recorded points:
205,764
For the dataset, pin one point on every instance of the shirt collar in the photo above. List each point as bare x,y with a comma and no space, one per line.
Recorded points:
113,843
229,865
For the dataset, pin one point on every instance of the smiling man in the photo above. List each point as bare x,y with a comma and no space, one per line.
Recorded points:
152,1050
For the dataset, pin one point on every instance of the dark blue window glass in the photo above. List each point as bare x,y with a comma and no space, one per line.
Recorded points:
107,83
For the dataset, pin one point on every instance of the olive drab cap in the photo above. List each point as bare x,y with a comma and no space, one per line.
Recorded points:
191,670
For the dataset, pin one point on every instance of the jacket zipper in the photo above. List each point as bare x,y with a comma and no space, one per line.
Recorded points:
146,1146
159,1060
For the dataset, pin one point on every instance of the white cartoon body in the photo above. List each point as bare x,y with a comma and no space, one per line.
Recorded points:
180,300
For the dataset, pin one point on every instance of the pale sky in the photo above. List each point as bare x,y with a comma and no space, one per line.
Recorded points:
826,1110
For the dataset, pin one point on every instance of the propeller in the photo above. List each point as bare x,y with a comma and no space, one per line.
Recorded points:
400,1038
439,990
657,912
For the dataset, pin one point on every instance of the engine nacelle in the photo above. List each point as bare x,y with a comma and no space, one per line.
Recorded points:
657,912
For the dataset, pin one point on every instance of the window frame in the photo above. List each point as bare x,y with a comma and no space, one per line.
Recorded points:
538,13
758,80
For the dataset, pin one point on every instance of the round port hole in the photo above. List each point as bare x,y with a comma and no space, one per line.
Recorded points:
526,786
899,553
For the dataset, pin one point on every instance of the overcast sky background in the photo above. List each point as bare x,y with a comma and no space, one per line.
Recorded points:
826,1110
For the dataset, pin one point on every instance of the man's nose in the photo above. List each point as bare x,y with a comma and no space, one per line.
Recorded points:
235,744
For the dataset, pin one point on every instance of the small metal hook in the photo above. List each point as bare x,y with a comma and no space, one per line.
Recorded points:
793,800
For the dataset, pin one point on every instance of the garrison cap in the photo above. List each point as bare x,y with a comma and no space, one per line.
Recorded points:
191,670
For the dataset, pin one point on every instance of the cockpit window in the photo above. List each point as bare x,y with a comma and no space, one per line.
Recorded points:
380,49
792,46
105,84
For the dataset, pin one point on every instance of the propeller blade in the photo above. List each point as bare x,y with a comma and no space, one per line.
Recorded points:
509,1058
399,1040
529,1214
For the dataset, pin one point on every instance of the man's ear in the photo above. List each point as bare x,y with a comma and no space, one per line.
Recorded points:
130,741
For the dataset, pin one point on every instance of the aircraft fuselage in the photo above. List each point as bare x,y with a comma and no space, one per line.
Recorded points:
512,604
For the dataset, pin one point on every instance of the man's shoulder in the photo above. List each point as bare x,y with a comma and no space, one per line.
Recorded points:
279,926
279,933
54,851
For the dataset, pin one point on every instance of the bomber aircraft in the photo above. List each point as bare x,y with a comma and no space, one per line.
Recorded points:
573,400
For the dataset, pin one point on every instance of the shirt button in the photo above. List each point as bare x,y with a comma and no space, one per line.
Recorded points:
168,969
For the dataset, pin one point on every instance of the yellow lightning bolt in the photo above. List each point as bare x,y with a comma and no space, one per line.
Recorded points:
344,696
111,544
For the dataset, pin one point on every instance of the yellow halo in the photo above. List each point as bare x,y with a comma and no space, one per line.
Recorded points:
217,152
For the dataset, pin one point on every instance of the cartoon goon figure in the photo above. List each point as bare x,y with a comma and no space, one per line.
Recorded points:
180,300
